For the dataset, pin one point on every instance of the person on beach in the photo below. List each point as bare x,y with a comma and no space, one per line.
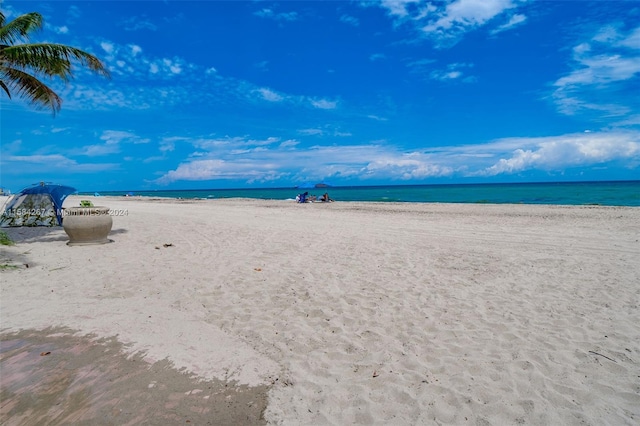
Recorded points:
325,198
302,198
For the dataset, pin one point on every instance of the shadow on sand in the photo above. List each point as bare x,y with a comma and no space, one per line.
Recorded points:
32,234
54,376
17,256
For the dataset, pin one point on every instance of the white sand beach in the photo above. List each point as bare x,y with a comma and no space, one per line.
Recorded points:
360,313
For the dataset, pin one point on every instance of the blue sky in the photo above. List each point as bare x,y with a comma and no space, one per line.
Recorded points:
212,94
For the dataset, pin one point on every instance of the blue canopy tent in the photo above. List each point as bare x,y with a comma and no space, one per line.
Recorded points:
37,205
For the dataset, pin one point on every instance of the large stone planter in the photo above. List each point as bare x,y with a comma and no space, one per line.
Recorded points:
87,225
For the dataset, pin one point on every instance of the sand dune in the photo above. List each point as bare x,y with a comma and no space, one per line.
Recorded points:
365,313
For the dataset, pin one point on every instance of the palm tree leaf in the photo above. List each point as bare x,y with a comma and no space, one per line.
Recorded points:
5,88
29,87
19,27
50,59
36,59
19,61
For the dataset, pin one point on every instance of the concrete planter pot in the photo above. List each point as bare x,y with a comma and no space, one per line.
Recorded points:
87,225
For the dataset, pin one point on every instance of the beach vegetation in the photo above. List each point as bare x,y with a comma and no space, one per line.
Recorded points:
5,240
6,266
86,203
23,64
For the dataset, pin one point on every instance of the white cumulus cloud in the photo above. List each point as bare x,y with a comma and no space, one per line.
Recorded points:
262,160
558,152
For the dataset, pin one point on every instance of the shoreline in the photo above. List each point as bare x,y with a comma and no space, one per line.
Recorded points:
170,200
365,312
620,193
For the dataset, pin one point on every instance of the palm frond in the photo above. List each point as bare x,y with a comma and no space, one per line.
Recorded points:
19,27
51,59
37,93
5,88
39,60
18,61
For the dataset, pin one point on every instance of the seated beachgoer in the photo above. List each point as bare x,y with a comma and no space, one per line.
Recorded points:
303,197
325,198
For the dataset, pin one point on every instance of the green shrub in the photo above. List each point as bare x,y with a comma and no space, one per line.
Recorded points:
5,240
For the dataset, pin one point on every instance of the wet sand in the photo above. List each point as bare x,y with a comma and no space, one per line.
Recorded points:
54,376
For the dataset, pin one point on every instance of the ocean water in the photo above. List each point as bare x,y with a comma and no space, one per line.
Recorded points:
621,193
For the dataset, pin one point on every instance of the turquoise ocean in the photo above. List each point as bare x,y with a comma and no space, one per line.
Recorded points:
619,193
